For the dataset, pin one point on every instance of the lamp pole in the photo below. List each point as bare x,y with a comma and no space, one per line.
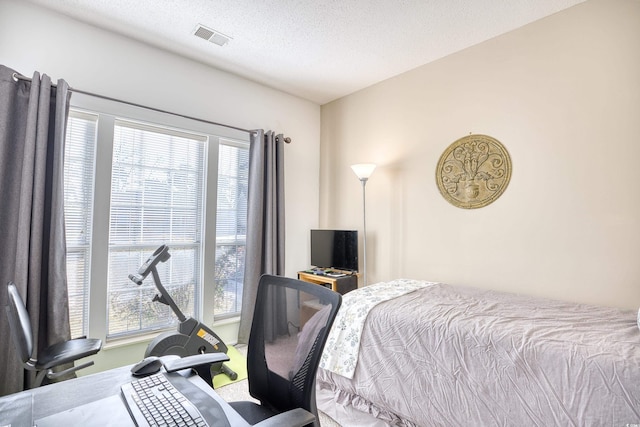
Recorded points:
364,231
363,172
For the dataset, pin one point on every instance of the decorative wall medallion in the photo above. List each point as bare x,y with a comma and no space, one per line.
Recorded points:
473,171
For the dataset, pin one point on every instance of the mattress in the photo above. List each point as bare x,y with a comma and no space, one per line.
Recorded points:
448,355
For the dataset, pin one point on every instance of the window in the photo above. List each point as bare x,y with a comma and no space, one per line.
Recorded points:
79,152
153,184
157,183
231,228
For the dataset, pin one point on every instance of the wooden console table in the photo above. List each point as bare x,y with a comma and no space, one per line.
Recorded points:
341,285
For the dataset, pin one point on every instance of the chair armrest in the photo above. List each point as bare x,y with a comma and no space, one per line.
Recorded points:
294,418
55,375
193,361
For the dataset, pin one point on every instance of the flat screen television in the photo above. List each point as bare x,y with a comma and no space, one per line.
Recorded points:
335,249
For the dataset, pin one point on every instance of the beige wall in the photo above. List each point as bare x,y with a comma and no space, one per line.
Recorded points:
90,59
563,95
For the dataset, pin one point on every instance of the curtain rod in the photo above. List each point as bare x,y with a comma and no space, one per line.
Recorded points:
17,77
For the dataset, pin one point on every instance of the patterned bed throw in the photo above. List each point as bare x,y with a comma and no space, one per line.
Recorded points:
341,350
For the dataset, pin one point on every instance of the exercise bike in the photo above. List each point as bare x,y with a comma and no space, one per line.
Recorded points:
192,337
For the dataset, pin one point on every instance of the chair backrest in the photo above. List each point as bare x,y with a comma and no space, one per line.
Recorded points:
19,324
290,326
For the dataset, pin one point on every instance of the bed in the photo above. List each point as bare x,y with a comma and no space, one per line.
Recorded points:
443,355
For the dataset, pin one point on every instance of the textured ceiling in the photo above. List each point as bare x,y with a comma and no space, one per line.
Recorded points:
316,49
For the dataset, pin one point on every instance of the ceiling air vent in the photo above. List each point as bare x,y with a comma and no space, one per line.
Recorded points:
211,35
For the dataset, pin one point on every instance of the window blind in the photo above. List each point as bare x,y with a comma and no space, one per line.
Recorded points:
231,227
156,198
79,168
150,190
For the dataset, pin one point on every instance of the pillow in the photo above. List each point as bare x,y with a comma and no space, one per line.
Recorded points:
638,319
307,337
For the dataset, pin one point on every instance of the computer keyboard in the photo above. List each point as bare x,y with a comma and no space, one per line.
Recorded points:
154,401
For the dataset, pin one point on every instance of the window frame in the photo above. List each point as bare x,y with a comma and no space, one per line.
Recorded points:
108,112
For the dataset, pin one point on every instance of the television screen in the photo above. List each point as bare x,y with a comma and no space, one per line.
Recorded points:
334,249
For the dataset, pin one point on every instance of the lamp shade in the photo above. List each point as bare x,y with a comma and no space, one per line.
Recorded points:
363,170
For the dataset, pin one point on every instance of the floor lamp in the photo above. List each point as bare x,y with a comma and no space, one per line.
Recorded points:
363,171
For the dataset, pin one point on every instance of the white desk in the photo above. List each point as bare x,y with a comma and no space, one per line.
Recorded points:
98,391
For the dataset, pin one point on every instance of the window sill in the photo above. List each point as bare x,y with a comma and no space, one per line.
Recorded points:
226,321
126,341
146,338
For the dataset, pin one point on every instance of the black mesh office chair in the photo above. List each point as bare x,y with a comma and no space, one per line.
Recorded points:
52,356
290,326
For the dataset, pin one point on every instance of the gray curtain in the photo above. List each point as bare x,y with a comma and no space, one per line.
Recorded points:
33,118
265,225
